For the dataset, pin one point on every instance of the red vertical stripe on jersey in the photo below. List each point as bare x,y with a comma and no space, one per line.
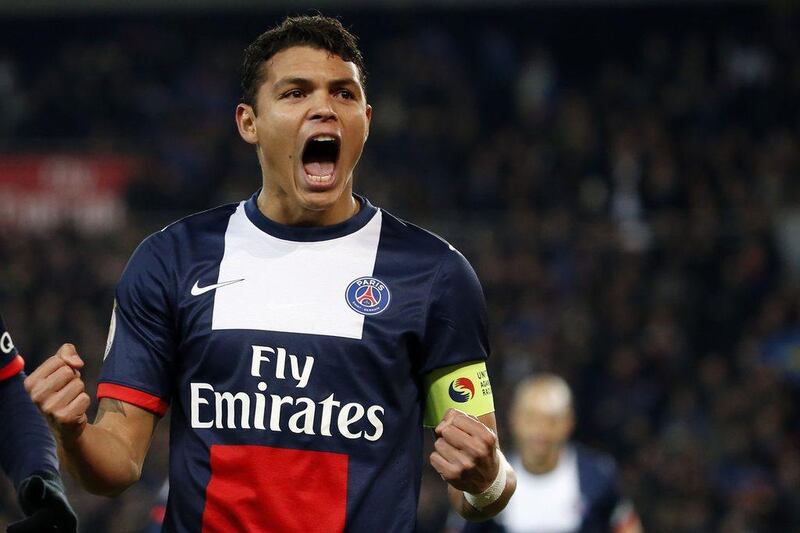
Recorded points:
259,488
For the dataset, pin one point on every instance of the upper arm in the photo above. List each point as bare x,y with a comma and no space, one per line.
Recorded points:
131,424
455,343
463,386
138,363
455,327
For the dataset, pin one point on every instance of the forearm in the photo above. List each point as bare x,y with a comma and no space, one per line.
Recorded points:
105,457
460,504
103,462
26,446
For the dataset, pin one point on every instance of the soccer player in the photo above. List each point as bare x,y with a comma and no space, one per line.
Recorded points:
27,451
561,487
302,337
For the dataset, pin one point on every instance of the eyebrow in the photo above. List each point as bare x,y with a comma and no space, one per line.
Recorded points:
343,81
305,82
292,81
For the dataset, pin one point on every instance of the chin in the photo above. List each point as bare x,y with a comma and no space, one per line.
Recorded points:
319,197
320,201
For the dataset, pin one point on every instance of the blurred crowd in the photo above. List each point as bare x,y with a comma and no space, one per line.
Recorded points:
626,183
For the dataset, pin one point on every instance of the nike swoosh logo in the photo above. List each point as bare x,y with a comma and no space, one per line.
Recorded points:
197,290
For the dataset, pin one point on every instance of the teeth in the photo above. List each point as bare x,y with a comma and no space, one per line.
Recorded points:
320,179
324,138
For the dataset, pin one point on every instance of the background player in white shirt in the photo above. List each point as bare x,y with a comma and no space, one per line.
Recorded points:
561,486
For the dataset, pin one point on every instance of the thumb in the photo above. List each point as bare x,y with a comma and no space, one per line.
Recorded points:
69,355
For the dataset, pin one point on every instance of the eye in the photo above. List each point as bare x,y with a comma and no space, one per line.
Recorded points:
346,94
294,93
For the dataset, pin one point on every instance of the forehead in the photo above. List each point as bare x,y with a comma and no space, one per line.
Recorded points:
309,63
545,401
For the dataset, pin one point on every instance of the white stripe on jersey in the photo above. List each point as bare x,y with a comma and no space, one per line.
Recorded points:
289,286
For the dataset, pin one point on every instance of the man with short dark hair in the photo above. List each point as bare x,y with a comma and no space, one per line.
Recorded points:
27,451
303,337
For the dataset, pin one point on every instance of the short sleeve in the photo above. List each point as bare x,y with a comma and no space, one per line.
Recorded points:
140,350
456,324
11,362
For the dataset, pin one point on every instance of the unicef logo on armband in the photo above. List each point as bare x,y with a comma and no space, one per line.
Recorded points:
461,390
367,296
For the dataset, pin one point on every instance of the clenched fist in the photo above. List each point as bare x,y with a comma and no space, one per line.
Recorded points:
465,452
58,391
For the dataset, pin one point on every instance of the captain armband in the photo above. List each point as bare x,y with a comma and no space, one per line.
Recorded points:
464,387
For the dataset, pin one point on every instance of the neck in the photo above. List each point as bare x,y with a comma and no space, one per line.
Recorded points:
542,464
291,215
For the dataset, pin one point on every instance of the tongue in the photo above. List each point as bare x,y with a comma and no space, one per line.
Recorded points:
319,168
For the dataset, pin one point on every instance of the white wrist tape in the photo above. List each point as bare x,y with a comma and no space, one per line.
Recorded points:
491,494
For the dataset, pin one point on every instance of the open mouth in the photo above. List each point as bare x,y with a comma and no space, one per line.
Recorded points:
320,156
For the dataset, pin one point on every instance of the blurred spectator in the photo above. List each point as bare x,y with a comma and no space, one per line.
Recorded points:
562,486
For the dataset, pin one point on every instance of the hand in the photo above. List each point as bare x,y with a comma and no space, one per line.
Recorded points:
58,391
42,498
465,452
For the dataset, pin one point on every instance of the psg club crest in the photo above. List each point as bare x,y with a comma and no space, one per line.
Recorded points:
367,296
461,390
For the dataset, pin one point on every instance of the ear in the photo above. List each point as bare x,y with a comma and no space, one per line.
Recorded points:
369,120
570,423
246,122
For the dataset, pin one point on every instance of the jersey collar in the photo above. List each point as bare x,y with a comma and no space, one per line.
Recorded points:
305,233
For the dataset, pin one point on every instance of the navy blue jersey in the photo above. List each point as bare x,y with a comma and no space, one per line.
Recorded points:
293,359
11,362
26,446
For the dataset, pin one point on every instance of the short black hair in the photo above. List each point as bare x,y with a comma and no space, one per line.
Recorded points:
317,31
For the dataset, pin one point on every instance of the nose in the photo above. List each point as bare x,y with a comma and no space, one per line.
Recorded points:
322,110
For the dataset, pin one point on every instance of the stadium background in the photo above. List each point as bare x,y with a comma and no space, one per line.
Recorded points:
624,178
